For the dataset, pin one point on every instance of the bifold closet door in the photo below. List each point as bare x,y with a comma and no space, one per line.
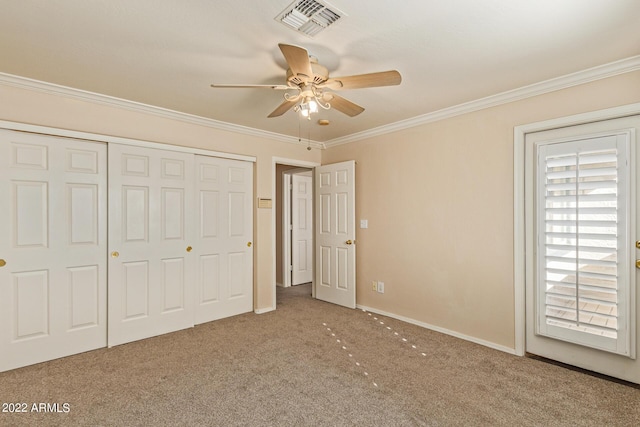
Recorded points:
53,247
224,223
151,263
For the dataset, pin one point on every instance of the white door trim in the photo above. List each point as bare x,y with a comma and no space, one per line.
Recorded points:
302,227
287,219
118,140
290,162
519,197
286,232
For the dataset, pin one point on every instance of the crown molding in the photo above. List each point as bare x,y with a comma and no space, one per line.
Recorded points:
96,98
574,79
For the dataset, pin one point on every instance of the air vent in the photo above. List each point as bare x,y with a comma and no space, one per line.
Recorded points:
309,17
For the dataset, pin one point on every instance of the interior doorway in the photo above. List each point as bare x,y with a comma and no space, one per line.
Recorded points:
280,165
333,206
294,225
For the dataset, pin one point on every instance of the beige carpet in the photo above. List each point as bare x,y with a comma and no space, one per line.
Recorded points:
310,363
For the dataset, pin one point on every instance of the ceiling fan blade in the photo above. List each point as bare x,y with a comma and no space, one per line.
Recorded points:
298,59
283,108
277,87
343,105
383,78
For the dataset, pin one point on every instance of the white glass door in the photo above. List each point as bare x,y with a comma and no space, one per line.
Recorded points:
581,233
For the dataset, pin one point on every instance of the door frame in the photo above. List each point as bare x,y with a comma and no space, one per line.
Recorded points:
287,248
286,232
519,252
287,162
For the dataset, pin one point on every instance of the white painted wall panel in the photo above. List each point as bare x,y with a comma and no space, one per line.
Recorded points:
173,284
209,278
136,290
209,213
173,215
136,213
31,304
31,214
82,203
84,298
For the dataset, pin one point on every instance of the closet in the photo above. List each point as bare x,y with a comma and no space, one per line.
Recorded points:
107,243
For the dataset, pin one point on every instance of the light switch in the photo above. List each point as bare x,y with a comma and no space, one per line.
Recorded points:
364,223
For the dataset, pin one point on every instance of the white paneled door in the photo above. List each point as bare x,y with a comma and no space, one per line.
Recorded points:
53,245
163,251
335,233
582,216
302,229
224,222
151,259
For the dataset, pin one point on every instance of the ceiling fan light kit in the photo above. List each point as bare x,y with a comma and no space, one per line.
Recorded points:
314,88
307,107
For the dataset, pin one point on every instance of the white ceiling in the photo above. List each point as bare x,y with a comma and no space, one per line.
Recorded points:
166,53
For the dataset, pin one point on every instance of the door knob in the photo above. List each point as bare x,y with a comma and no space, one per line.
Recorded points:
115,254
3,263
189,248
638,244
638,263
349,242
249,244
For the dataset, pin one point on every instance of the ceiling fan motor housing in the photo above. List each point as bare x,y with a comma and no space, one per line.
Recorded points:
320,74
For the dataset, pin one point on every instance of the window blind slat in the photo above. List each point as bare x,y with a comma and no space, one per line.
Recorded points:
579,236
581,248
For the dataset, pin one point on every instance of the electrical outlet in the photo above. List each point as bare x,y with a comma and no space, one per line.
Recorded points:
374,285
380,287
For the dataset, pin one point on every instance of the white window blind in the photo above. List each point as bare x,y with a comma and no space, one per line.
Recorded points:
583,213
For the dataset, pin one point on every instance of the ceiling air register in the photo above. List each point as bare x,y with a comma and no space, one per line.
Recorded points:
309,17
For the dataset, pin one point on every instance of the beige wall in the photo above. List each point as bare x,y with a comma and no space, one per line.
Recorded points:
37,108
439,200
438,197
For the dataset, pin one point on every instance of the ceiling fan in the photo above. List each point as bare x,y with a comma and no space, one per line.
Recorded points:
314,88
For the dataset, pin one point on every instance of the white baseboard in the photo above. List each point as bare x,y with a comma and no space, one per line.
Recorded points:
280,285
441,330
264,310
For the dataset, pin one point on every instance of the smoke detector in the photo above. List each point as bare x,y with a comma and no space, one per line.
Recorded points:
309,17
